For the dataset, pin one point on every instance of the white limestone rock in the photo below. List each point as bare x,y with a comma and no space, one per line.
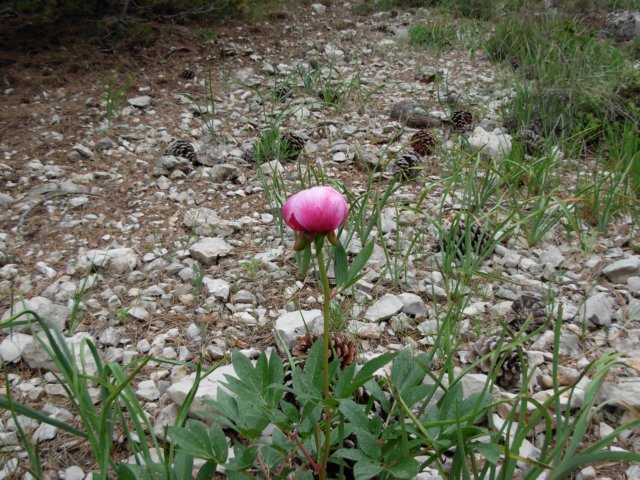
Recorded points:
413,304
119,261
491,145
51,313
206,222
36,356
209,249
207,390
293,324
384,308
621,270
598,309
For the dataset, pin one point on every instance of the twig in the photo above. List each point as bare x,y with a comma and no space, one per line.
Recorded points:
312,462
263,469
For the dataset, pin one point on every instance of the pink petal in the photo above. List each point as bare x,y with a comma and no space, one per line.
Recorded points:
316,210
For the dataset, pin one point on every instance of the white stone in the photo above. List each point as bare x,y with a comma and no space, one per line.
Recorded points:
413,304
52,313
12,347
206,222
74,473
207,390
36,356
148,390
366,330
333,53
598,309
139,313
217,287
318,8
110,336
339,157
551,258
143,101
384,308
293,324
119,261
209,249
620,271
491,145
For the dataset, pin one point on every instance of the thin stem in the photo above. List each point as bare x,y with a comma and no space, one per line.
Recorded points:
313,464
325,361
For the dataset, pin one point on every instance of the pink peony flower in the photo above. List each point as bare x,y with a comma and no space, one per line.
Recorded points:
317,210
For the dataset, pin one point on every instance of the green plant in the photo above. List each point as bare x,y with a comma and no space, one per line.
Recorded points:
572,79
114,97
251,266
123,315
271,146
118,408
434,35
332,87
562,452
209,114
197,278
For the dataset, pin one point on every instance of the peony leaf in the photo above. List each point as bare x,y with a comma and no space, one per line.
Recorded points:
340,265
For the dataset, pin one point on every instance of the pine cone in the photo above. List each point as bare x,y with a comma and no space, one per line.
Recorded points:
344,348
282,92
533,143
479,239
462,120
407,165
182,148
340,343
423,142
288,377
292,145
528,306
303,344
188,74
509,372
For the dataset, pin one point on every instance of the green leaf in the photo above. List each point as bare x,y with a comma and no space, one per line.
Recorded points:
245,370
360,261
417,393
183,465
304,475
27,411
207,471
405,372
406,468
367,371
354,413
450,402
490,451
304,259
199,430
189,442
340,265
290,411
376,391
368,444
364,470
351,454
276,378
127,471
243,458
344,380
218,442
225,404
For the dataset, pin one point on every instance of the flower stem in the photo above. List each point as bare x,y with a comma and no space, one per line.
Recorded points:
325,361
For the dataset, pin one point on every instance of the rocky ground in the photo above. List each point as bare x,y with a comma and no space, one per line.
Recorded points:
184,260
